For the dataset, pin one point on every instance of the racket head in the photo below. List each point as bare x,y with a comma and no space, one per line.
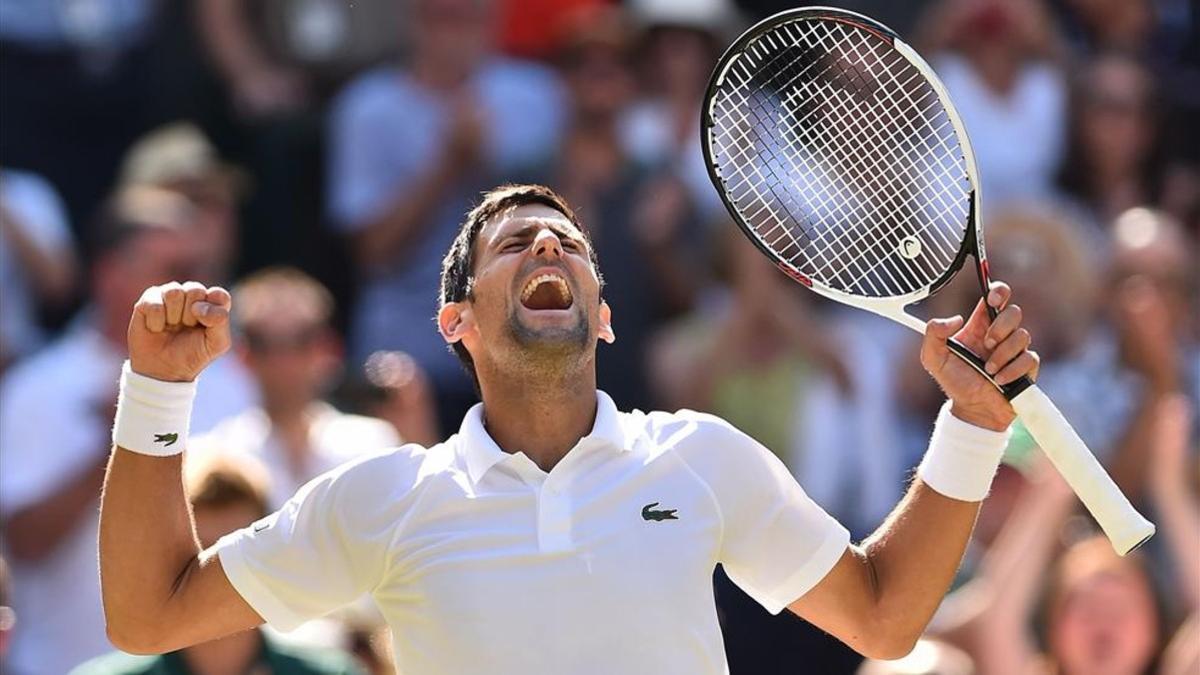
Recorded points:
803,114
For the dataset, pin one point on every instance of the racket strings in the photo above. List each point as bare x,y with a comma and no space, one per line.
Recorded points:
837,152
856,81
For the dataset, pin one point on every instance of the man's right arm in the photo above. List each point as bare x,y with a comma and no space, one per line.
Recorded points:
160,591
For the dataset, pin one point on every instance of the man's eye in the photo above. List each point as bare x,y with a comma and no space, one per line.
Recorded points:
570,245
514,246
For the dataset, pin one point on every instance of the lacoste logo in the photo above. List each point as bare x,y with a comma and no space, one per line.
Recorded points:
166,439
648,513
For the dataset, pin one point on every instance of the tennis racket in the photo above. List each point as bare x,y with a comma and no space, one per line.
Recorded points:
838,152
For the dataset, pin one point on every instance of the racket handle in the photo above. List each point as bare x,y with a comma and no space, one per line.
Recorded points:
1125,527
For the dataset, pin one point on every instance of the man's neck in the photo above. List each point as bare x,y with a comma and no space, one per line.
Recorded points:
232,654
543,421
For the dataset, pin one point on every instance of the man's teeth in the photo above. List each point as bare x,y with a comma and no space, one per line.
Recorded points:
563,290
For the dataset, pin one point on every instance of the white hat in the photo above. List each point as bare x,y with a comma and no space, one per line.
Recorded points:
719,17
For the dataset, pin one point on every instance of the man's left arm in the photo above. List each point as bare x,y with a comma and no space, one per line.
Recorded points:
880,595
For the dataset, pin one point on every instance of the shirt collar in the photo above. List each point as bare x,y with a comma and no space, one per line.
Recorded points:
481,452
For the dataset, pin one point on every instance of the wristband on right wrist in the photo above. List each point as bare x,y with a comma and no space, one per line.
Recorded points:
153,416
962,458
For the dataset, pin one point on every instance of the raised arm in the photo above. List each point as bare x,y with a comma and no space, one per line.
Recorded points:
160,591
1172,474
881,595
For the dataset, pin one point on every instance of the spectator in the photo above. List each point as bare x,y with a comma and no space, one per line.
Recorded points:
394,388
227,493
56,409
38,266
1112,162
282,57
293,354
276,64
638,218
410,148
998,61
1053,261
178,157
681,43
1154,315
1100,612
78,88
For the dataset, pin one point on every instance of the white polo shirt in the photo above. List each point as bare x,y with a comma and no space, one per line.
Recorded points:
483,563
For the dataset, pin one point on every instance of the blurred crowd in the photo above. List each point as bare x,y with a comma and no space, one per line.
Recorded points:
317,156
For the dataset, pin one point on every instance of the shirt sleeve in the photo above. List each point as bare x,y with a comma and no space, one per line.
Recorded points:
777,543
308,558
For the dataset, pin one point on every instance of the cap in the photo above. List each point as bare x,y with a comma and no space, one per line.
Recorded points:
176,152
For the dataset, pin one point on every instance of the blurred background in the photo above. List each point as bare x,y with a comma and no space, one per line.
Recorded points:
317,156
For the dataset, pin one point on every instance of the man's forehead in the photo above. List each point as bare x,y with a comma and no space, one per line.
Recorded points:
518,218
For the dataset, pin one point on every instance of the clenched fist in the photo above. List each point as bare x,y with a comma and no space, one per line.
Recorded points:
178,329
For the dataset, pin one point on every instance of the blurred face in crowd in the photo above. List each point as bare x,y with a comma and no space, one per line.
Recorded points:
216,223
535,304
681,58
293,357
148,258
1154,248
1102,614
452,35
1113,117
599,79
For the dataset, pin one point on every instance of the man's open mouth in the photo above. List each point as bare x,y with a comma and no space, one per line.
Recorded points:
547,291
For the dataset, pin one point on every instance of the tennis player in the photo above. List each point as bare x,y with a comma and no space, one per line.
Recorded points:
553,533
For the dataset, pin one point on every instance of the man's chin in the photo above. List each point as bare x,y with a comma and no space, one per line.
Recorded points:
550,327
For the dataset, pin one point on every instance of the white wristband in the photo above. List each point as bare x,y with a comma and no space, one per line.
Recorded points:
962,458
152,415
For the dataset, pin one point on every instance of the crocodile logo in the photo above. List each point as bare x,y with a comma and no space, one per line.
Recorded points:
648,513
166,439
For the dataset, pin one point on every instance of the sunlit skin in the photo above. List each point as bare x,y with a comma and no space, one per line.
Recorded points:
536,367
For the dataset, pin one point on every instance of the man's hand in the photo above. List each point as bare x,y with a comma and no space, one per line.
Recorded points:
1003,343
178,329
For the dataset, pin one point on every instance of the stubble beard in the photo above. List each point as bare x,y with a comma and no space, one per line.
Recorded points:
549,353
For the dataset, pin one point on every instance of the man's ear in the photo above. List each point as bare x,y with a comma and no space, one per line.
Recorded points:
606,330
455,320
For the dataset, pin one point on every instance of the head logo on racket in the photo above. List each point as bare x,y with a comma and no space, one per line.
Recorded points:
910,247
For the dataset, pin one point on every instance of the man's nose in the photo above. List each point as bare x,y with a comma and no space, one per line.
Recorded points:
547,245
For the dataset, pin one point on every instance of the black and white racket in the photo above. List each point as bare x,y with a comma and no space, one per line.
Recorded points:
839,154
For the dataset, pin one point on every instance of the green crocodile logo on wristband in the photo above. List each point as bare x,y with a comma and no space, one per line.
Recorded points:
166,439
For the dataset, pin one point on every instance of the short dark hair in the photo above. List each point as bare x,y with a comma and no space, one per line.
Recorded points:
458,266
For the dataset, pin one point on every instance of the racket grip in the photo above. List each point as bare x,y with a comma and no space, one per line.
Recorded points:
1125,527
